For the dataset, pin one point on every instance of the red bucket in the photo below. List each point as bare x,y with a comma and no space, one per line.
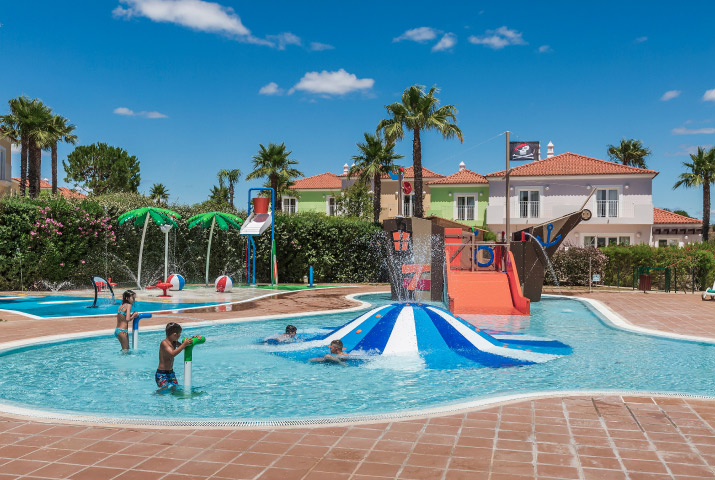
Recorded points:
260,205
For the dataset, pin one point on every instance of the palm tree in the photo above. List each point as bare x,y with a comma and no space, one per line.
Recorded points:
230,176
283,185
273,163
630,152
159,193
36,126
15,127
419,111
702,173
61,131
219,194
375,158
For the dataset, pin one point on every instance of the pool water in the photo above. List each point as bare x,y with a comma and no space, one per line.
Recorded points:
64,306
237,378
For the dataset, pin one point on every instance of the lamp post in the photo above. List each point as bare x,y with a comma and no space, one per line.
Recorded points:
166,228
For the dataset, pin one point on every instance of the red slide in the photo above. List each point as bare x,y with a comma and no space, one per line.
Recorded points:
482,291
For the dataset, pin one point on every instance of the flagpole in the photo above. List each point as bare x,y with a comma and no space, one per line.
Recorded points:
508,200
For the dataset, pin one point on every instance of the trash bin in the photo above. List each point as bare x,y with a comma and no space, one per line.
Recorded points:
644,282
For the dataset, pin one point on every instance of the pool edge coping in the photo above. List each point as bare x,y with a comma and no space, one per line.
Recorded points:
611,316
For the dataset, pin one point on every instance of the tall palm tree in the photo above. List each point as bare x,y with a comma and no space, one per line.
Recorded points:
629,152
219,194
283,185
36,125
230,176
419,111
61,130
702,173
15,126
375,158
159,193
272,163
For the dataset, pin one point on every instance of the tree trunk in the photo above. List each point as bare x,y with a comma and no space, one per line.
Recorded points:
23,166
706,208
230,194
32,172
274,186
54,168
376,200
417,167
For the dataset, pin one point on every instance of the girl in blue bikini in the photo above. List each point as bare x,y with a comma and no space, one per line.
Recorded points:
124,315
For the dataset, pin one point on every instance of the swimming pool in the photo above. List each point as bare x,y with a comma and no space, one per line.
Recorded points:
49,306
236,379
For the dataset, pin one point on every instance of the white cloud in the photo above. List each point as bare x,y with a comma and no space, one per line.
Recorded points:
448,41
270,89
686,150
282,39
693,131
499,38
420,34
709,95
641,39
670,94
545,49
319,47
131,113
332,83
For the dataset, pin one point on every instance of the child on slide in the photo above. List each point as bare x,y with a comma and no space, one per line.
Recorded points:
124,315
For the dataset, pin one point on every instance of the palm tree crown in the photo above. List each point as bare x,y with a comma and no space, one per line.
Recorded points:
701,174
629,152
418,111
159,193
230,176
374,160
60,131
274,164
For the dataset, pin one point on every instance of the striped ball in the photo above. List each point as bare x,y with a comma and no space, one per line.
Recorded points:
177,281
224,284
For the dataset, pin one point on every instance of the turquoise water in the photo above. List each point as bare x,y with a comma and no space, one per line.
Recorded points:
238,378
64,306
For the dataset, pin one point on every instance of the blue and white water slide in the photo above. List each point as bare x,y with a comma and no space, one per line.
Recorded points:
418,329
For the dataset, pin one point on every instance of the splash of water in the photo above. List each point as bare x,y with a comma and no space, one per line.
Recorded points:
55,287
548,261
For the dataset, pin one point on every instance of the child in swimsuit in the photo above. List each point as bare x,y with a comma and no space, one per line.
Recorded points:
124,315
336,354
169,348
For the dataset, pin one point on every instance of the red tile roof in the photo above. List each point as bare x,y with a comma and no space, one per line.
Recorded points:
664,216
410,173
572,164
323,181
465,176
64,191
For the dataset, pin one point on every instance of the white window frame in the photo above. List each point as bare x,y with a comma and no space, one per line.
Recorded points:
455,205
517,202
411,204
283,199
327,205
3,164
607,236
619,193
669,242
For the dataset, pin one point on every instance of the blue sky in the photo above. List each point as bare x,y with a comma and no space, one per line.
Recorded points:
191,86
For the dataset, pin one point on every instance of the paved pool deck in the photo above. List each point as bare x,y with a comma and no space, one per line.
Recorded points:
563,437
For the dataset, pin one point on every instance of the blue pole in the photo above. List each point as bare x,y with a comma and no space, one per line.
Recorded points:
253,244
311,275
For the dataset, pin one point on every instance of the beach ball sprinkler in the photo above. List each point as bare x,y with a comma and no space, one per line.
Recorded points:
224,284
177,282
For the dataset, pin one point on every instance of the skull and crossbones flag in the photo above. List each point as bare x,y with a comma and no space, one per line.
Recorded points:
523,151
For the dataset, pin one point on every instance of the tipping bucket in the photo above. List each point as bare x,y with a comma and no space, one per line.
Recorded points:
260,205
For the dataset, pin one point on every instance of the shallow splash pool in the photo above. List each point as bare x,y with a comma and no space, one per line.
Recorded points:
237,379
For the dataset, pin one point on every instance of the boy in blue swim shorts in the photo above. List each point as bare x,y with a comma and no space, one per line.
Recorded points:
169,348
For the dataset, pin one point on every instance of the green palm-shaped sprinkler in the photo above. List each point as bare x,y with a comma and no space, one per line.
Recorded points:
160,216
210,220
188,359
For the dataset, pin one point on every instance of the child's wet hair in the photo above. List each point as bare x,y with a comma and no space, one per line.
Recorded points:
172,328
291,329
338,343
127,295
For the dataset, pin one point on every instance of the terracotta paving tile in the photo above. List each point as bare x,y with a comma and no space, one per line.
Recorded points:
107,446
127,436
556,459
471,452
31,428
691,470
270,447
363,433
84,458
247,435
15,451
121,461
644,466
478,432
556,471
513,456
680,457
466,475
73,443
326,476
513,468
356,442
629,444
37,441
204,469
178,452
392,446
393,458
327,441
598,474
398,436
222,456
420,473
142,475
57,470
610,463
447,420
432,449
514,445
340,466
356,454
22,467
298,463
236,472
406,427
233,444
47,454
477,464
648,455
283,437
159,464
95,433
648,476
442,429
515,435
308,451
199,442
96,473
435,461
256,459
377,469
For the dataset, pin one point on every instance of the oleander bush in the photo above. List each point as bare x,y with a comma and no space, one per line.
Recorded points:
571,265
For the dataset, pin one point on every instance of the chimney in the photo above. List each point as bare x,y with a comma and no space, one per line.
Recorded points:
549,150
462,166
345,169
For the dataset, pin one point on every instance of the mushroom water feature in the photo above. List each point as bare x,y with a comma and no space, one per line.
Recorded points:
209,220
141,216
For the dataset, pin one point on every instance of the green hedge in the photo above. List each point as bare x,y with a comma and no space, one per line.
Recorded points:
56,240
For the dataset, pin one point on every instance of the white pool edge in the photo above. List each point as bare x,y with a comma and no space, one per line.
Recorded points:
128,422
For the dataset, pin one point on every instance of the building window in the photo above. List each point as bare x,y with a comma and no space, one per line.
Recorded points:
290,205
332,208
668,242
465,207
605,240
408,206
528,203
607,202
3,158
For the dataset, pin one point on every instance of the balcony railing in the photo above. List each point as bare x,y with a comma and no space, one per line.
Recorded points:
529,209
607,208
465,212
332,210
407,209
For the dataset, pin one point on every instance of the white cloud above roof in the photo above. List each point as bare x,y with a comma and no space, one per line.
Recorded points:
693,131
420,34
499,38
447,42
332,83
127,112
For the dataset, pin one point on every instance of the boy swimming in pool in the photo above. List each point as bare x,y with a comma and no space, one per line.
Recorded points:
169,348
124,315
289,335
336,354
